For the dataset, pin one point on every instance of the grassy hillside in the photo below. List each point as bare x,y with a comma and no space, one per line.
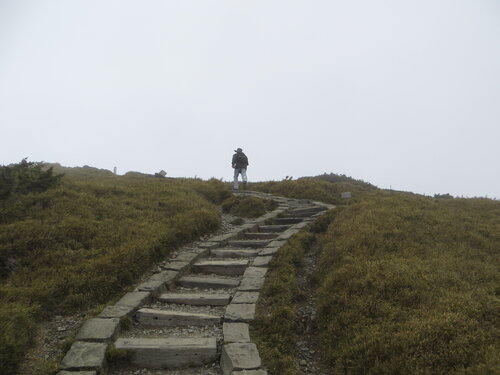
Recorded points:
328,191
406,284
410,284
84,241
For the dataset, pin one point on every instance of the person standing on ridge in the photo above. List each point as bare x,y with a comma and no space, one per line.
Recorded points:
240,164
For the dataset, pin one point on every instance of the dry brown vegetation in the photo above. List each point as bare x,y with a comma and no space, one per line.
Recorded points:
83,242
406,284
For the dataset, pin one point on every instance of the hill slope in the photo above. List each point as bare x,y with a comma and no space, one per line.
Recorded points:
83,242
412,284
405,284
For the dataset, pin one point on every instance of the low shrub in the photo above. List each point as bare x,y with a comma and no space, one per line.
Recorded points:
26,177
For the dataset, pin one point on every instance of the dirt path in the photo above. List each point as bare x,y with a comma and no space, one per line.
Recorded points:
309,359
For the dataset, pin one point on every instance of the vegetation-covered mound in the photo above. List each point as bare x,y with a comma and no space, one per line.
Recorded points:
85,239
333,177
319,189
247,206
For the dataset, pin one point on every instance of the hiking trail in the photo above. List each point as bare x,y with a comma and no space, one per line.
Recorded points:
193,315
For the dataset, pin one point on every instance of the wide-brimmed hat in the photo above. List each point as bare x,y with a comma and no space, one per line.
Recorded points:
238,150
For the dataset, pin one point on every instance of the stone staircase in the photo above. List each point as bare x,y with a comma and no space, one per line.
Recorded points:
195,313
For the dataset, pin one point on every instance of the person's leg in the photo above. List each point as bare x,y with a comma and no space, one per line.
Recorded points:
235,180
244,177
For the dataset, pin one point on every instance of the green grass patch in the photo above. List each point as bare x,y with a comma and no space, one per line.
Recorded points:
249,207
274,326
409,285
84,242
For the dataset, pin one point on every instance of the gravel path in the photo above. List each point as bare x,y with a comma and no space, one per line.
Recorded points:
306,344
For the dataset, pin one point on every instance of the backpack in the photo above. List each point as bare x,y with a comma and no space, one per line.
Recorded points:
241,159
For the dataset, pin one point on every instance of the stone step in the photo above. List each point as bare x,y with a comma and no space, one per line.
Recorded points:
249,243
287,220
258,236
235,332
239,357
169,352
221,267
275,228
309,210
207,282
234,253
85,356
196,299
241,312
163,318
303,214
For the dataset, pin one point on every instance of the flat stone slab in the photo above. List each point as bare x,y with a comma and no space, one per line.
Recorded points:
115,311
259,236
244,312
245,297
273,228
234,253
98,329
154,286
175,265
287,220
239,356
251,284
134,299
245,227
249,243
287,234
255,272
250,372
198,250
207,282
276,243
163,318
77,373
209,245
235,332
187,256
224,237
169,352
221,267
262,261
166,276
307,211
85,356
197,299
268,251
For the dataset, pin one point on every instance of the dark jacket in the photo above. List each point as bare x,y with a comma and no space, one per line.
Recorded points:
240,160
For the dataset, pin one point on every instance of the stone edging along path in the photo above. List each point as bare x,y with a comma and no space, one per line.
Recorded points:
206,287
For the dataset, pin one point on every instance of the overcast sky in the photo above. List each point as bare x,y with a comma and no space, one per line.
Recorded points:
402,94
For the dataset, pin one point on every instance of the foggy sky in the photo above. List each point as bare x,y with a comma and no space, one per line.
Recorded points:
402,94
